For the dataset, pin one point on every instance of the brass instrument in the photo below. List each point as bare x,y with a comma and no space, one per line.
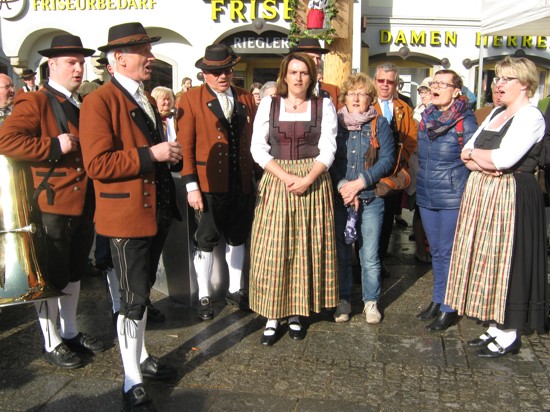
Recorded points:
21,279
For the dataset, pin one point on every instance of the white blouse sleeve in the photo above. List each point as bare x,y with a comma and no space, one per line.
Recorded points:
259,148
527,128
329,128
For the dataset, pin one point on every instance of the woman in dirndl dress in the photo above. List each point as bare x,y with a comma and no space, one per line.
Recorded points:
498,264
293,255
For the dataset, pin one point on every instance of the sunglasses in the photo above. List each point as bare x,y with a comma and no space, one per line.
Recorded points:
386,81
218,73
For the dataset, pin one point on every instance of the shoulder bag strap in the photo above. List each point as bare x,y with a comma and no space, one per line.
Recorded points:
63,126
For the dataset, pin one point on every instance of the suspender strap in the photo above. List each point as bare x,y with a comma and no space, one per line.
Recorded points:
63,126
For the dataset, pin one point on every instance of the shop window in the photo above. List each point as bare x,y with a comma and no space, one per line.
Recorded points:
3,68
263,75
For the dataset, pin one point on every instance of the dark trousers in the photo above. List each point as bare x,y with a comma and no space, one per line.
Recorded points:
67,244
228,214
391,204
135,262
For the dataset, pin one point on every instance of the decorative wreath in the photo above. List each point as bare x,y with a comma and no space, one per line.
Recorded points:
298,28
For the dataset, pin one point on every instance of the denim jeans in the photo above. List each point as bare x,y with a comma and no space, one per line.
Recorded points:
369,225
440,227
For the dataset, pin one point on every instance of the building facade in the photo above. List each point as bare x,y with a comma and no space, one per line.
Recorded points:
419,37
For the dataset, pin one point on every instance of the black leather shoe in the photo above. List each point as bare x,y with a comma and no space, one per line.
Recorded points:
204,310
430,312
153,368
269,340
136,399
238,299
296,334
84,343
443,321
513,349
480,343
63,357
153,314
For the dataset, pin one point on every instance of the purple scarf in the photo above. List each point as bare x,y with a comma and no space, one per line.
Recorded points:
436,123
354,121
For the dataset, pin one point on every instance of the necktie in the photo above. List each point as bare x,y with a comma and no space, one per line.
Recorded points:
227,106
75,100
145,105
386,109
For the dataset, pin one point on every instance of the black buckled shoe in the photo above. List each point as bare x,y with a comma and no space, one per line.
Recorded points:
430,312
204,310
296,334
63,357
84,343
480,342
513,348
238,299
443,321
137,400
269,340
153,368
153,314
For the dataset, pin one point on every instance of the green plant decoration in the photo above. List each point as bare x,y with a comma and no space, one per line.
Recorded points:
298,28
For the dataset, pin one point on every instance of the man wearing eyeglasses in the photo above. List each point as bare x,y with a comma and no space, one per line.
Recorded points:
400,117
215,130
7,94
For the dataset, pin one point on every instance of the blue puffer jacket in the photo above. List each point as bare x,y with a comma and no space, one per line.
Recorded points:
349,160
442,175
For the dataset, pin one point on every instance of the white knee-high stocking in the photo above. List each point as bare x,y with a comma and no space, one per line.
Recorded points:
47,311
203,268
130,339
234,256
67,310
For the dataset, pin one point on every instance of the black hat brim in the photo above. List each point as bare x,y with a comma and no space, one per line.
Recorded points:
309,50
201,65
108,47
61,51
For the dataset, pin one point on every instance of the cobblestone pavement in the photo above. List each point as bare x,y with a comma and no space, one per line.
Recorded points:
396,365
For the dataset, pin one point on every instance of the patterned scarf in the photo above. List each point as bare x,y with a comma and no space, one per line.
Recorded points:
437,123
354,121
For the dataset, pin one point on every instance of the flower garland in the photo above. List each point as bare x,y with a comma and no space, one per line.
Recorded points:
298,29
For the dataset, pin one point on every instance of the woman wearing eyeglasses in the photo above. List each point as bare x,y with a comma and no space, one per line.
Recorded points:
255,89
293,255
446,125
354,186
498,265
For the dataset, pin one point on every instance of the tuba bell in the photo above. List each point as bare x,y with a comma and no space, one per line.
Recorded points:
21,279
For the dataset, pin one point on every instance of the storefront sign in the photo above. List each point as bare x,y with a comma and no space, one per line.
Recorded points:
525,42
258,45
420,38
450,38
61,5
250,10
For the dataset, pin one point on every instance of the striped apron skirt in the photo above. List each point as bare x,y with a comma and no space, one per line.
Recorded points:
293,265
482,250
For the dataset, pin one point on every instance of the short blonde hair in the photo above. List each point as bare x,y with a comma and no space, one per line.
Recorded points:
161,91
357,81
521,68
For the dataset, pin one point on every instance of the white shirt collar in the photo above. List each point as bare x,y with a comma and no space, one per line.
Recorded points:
130,85
56,86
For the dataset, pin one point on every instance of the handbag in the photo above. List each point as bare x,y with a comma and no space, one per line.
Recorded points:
398,179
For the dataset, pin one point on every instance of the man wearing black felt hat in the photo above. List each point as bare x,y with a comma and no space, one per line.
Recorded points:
215,132
43,131
29,78
126,154
313,49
